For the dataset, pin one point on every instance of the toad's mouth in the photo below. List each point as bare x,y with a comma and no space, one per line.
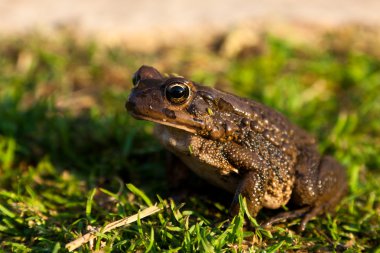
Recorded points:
176,119
166,122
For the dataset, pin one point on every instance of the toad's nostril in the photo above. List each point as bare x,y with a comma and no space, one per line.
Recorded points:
169,113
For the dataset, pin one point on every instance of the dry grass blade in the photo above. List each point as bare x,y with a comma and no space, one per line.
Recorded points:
119,223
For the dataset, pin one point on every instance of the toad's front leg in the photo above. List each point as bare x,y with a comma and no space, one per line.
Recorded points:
253,184
252,188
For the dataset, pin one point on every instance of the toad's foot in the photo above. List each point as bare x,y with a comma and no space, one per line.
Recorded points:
291,215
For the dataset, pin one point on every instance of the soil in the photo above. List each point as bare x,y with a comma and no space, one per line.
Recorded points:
167,20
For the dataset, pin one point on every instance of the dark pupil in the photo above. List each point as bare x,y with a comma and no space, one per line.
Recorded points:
177,93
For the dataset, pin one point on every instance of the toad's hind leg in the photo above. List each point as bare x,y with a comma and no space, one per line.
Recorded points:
332,186
318,192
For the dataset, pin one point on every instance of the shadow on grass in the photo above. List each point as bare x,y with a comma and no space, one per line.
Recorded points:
94,147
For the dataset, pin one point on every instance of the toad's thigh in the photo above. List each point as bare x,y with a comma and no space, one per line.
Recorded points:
323,182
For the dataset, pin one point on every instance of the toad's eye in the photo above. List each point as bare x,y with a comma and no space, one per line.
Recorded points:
177,93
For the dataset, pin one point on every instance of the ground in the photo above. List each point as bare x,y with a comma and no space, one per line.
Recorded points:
167,20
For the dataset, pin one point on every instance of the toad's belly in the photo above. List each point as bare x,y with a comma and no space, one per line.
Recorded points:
201,155
228,182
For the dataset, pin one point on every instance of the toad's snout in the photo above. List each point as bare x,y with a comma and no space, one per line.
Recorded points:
130,106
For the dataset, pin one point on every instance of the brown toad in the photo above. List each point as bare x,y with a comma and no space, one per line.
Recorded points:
239,145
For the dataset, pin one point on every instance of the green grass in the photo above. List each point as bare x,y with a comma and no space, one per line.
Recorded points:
71,157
